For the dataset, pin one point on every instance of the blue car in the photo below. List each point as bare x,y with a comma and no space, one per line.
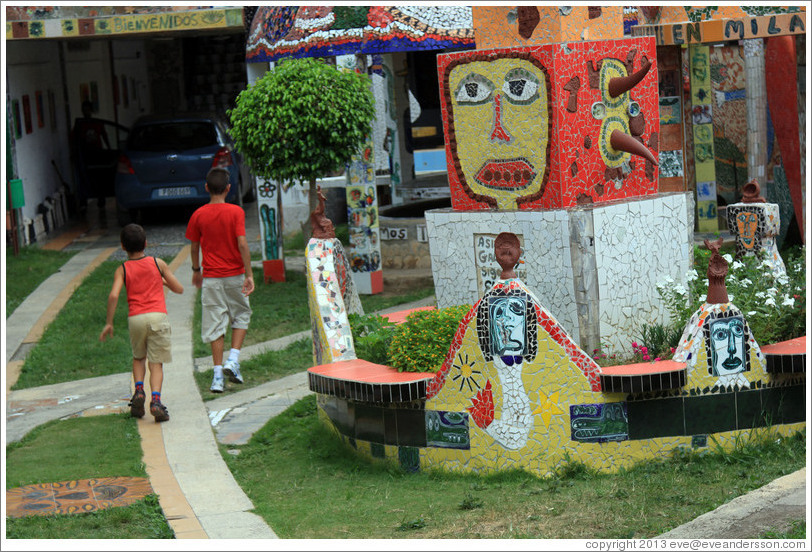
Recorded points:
165,160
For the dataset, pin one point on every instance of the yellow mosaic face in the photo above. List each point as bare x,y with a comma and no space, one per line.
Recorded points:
501,127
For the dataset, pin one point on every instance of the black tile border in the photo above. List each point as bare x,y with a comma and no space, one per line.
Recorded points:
642,383
786,364
378,393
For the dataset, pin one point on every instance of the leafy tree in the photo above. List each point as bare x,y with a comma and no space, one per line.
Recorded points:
302,120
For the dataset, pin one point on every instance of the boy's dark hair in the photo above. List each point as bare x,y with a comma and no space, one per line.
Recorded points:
217,180
133,238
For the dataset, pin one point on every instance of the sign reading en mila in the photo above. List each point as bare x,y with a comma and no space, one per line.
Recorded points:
718,30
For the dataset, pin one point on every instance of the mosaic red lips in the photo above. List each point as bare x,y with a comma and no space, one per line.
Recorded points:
514,174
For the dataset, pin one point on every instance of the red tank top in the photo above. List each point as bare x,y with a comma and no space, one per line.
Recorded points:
145,288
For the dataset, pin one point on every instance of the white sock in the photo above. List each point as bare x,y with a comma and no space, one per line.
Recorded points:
218,370
234,355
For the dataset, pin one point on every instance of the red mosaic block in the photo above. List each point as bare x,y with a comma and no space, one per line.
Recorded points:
535,127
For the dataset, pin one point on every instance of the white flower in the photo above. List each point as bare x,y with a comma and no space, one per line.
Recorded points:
728,257
770,302
737,265
691,275
788,301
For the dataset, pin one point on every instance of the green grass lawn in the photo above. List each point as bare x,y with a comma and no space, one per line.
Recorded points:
70,348
267,366
294,460
26,271
83,448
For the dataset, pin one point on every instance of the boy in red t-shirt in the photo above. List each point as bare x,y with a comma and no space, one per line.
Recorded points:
218,228
150,333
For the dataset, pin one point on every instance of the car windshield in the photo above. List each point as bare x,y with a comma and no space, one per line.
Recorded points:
172,136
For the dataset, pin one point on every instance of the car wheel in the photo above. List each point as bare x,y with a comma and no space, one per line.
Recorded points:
124,216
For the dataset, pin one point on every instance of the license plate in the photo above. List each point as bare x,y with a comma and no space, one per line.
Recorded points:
180,191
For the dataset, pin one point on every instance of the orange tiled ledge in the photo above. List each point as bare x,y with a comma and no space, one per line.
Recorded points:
362,380
786,357
645,376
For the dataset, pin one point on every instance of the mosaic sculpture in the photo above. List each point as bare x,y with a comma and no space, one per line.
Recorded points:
756,223
330,289
717,340
516,392
550,126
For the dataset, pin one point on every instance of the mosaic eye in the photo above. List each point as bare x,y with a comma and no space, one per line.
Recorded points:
634,109
520,87
474,89
737,329
598,110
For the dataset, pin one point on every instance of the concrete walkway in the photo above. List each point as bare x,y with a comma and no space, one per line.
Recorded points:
198,493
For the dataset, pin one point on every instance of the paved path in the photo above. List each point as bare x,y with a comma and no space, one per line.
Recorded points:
198,493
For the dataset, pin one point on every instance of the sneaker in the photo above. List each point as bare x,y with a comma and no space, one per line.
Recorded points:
137,403
217,384
157,409
232,370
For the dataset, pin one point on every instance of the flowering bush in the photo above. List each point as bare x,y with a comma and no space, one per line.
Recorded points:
774,306
421,343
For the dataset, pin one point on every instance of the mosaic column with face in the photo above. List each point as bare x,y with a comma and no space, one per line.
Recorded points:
500,127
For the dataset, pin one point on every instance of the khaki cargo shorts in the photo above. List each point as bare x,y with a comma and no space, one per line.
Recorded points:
223,303
151,337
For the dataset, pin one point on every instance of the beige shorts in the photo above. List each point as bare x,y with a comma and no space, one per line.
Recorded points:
223,304
151,337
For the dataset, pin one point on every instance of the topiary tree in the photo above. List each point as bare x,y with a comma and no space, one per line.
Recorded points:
301,121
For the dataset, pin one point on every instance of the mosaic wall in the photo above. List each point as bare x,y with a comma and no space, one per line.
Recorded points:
516,26
756,227
535,128
729,107
327,282
323,31
635,244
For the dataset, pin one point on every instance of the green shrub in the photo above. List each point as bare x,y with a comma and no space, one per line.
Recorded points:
421,343
371,334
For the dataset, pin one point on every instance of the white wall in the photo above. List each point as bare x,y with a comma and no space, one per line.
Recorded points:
130,62
32,67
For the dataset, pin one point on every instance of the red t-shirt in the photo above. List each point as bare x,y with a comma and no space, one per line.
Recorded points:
145,288
216,227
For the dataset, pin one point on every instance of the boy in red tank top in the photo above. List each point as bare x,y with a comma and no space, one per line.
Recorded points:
225,276
150,333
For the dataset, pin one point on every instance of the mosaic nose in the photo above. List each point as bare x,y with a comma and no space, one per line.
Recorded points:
498,133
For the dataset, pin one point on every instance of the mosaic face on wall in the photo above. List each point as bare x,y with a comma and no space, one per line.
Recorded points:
502,127
550,126
756,226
